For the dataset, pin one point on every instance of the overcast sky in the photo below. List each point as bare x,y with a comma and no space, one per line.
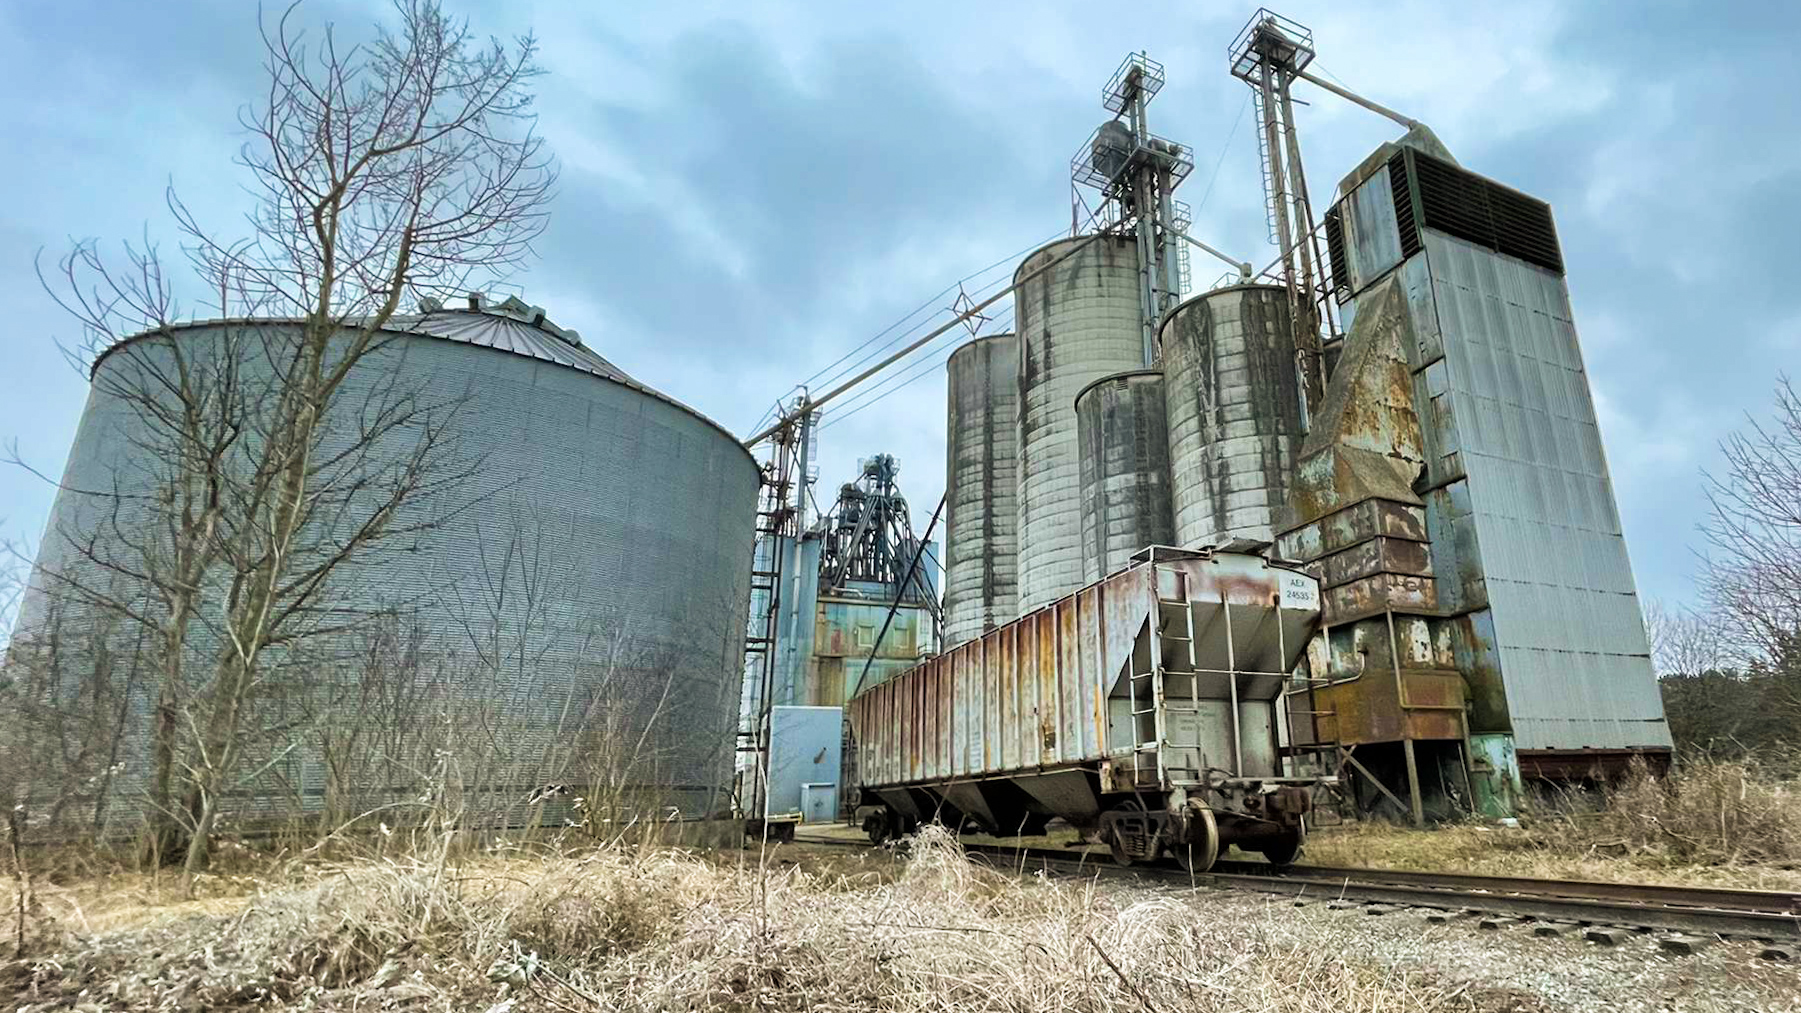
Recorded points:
749,191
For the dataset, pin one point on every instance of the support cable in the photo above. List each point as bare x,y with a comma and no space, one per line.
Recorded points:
834,393
894,384
916,311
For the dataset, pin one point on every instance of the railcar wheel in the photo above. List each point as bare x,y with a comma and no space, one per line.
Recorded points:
1287,849
1202,849
1122,855
877,827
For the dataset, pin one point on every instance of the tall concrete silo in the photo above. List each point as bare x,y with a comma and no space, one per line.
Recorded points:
1234,413
981,588
582,570
1077,322
1124,449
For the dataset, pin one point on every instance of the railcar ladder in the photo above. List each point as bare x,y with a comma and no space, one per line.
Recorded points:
1171,654
1300,700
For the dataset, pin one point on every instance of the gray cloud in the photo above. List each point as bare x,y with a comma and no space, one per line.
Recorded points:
744,199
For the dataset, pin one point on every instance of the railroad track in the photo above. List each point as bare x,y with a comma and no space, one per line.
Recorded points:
1704,912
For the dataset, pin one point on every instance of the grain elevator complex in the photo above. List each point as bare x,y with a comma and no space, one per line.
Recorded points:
1396,407
1214,562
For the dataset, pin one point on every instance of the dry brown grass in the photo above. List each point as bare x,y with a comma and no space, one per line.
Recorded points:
619,929
1712,822
1709,812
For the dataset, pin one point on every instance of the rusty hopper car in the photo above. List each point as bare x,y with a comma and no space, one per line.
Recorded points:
1142,709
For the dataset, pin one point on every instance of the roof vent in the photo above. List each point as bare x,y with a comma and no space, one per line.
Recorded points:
476,301
430,304
1451,199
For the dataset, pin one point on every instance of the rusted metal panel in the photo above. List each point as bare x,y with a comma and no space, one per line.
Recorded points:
1376,594
1069,690
1035,694
1598,764
959,666
1009,685
1092,651
1378,555
1353,525
849,628
1046,665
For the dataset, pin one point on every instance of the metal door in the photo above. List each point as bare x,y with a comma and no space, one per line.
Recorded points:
819,802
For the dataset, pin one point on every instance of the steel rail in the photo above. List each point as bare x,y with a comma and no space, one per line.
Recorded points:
1776,902
1745,914
1581,902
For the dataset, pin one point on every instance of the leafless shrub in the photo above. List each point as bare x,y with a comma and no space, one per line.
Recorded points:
1707,812
1685,641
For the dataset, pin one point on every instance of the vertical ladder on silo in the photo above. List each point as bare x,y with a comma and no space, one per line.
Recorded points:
1271,201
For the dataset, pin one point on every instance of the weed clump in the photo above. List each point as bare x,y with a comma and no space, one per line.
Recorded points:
1706,812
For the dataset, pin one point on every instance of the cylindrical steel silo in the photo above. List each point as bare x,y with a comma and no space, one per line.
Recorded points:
1077,322
981,482
568,602
1124,453
1234,413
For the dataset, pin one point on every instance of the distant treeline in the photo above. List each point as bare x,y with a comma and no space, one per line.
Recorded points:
1728,712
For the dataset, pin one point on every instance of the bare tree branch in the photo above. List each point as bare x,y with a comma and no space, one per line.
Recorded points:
1753,568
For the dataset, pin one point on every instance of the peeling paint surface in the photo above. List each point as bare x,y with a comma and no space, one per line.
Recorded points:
1048,691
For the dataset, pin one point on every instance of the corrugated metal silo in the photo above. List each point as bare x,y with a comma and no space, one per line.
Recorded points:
594,560
981,480
1077,322
1124,451
1234,413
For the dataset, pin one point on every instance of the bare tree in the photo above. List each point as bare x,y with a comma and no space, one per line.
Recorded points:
1684,641
14,564
266,467
1753,572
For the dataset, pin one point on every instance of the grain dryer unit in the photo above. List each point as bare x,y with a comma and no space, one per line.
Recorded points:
1142,709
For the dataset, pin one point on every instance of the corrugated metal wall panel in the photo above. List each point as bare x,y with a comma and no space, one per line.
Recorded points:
1372,237
1511,405
1124,470
633,512
981,482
